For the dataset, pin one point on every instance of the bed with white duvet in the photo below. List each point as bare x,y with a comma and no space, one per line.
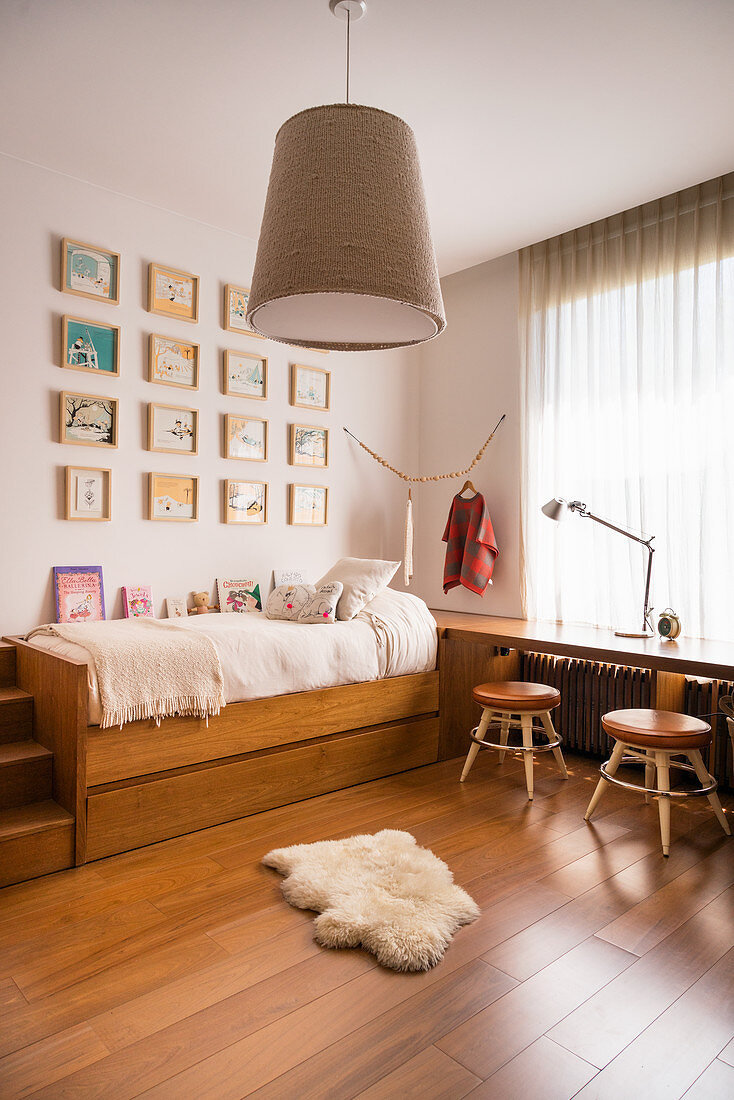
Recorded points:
394,635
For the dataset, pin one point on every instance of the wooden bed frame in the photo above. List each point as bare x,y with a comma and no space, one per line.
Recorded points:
140,784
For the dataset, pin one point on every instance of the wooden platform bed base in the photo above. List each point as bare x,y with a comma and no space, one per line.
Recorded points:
141,784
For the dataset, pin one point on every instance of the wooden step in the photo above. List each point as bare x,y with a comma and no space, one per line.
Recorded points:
16,715
35,840
7,665
25,773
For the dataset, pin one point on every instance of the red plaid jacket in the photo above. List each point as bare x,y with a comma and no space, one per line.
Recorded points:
471,549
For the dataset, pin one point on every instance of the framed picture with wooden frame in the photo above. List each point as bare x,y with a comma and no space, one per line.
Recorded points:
173,362
308,505
87,420
309,445
173,293
246,502
245,375
173,497
90,271
88,493
91,346
310,387
236,299
245,437
173,429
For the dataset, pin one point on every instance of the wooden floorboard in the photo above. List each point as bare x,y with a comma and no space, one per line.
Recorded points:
431,1075
609,1021
597,969
542,1069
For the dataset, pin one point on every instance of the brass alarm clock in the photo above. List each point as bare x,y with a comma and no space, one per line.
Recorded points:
668,624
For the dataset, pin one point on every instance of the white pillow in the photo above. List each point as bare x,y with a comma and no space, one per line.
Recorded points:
362,578
303,603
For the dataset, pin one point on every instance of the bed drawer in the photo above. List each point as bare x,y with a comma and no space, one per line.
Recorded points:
160,807
140,748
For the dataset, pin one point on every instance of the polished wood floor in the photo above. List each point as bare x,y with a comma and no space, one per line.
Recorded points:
598,969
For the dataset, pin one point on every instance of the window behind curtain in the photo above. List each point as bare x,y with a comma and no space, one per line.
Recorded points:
627,333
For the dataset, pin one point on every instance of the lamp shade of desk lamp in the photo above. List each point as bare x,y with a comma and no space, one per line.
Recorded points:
345,259
555,509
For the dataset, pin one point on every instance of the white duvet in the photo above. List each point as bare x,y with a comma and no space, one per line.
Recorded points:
395,635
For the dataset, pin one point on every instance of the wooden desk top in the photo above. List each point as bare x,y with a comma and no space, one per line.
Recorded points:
691,656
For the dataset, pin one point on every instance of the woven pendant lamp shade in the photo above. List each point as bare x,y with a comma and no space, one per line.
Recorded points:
345,259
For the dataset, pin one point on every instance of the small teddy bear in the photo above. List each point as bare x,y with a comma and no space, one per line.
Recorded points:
201,604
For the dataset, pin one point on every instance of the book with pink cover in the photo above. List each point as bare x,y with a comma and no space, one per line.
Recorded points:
79,592
137,601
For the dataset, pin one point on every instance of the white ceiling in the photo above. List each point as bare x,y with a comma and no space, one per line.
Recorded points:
532,116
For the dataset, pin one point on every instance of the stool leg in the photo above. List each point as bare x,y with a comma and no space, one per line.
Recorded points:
504,730
649,774
551,735
614,761
526,723
704,778
662,761
474,747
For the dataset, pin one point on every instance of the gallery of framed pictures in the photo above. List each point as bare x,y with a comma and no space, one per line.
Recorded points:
173,429
173,497
90,346
245,375
88,493
173,293
87,420
245,437
173,362
245,502
90,271
308,505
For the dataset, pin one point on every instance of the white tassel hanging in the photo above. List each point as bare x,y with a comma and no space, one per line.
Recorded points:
408,542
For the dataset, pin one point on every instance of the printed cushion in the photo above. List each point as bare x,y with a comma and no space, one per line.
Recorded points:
304,603
362,579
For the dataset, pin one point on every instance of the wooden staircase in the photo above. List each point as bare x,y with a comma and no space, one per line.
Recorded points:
36,834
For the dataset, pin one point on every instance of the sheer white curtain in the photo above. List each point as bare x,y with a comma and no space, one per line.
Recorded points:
627,334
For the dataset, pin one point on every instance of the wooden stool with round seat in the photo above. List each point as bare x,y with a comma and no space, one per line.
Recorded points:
655,737
513,704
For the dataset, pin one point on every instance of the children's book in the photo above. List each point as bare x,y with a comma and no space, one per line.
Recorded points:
79,592
238,595
288,576
137,601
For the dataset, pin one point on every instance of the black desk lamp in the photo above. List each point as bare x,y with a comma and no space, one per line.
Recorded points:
556,509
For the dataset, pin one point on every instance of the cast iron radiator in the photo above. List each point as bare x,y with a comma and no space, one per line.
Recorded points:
702,698
591,688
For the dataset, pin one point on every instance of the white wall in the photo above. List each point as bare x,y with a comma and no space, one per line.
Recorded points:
468,377
373,394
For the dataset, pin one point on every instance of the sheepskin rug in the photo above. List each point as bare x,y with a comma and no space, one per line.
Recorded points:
382,891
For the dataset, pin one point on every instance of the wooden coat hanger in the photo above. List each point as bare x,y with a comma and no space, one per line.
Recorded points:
467,485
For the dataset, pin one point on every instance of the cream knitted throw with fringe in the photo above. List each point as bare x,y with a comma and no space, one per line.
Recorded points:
146,669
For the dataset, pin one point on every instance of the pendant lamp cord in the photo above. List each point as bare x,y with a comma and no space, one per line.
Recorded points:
349,21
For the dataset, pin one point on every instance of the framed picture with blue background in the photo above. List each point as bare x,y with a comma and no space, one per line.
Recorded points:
90,346
90,271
